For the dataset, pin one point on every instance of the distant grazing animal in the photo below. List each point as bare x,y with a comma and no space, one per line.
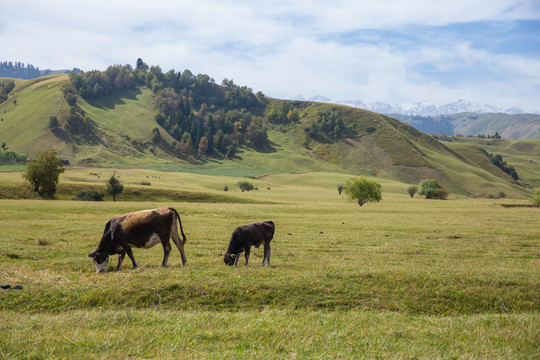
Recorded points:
141,229
249,235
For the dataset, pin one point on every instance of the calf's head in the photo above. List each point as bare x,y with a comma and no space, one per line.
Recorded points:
229,259
101,260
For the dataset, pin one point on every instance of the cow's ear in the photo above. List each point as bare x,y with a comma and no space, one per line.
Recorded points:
233,255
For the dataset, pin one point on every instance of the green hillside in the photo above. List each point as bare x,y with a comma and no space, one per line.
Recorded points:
117,130
509,126
524,155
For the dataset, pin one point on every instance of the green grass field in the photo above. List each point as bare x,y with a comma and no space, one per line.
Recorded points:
403,278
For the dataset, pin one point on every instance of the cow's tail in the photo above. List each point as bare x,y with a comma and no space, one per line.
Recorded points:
184,239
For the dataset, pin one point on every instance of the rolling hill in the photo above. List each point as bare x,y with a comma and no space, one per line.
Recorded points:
319,137
508,126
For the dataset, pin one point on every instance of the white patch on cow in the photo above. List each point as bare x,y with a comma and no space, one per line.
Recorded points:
101,267
153,240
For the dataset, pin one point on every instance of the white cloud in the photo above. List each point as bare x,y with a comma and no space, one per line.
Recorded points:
284,48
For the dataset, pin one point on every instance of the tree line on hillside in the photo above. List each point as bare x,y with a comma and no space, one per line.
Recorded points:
6,86
497,160
76,120
19,71
326,127
201,116
10,157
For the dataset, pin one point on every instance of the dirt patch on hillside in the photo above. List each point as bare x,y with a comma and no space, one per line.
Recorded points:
364,155
51,80
414,174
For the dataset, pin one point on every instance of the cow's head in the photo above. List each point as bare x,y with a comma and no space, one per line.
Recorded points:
100,259
229,259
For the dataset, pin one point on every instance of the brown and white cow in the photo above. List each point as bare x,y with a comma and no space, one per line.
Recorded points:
141,229
249,235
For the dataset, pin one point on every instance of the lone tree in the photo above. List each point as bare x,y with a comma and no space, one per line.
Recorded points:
362,190
114,187
43,173
412,190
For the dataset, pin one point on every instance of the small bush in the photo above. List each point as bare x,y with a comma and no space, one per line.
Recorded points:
43,242
245,186
53,122
11,157
497,195
145,183
89,196
536,200
441,194
428,187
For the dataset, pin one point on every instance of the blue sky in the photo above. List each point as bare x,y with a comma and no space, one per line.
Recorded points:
485,51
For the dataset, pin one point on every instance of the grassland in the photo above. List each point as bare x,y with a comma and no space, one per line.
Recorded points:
403,278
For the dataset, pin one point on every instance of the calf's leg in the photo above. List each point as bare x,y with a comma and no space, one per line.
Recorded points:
248,250
266,256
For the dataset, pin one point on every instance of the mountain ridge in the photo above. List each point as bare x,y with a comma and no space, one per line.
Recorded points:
421,108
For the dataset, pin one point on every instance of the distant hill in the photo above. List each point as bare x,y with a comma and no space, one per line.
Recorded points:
270,135
18,70
508,126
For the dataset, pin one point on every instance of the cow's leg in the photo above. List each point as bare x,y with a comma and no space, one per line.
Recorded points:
128,250
120,259
166,251
236,257
248,250
266,256
179,243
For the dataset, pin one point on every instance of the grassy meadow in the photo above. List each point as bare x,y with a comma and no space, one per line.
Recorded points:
403,278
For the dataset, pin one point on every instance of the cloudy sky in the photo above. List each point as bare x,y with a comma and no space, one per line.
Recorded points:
394,51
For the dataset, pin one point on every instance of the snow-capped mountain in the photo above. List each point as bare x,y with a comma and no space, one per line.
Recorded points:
467,106
420,108
430,109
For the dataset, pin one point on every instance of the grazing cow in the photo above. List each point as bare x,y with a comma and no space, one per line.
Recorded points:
245,236
141,229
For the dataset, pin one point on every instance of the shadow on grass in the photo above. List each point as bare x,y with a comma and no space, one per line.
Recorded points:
114,99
